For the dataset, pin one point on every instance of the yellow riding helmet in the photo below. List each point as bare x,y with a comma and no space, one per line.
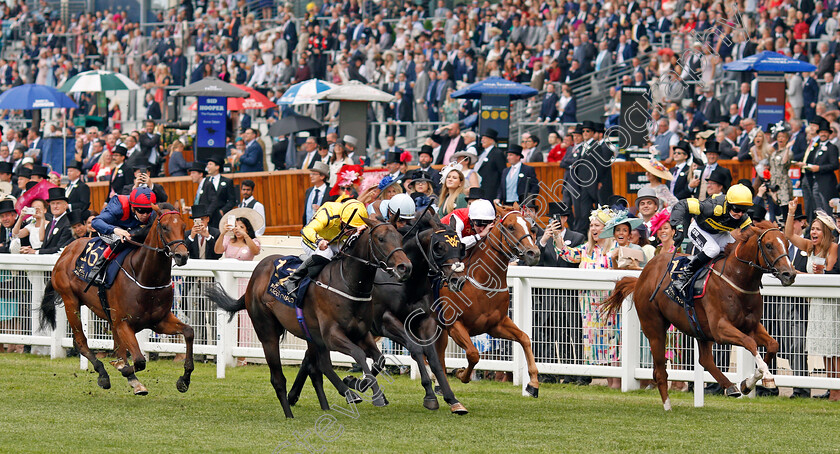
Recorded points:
739,195
353,213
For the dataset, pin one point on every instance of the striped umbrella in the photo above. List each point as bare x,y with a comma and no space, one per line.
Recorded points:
305,92
98,81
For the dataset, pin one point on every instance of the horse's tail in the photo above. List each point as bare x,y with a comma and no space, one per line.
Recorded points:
623,289
221,299
48,303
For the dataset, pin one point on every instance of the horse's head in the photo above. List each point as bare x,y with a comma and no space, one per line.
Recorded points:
383,248
770,251
515,233
170,233
442,249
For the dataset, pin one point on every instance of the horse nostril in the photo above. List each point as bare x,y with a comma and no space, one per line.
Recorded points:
401,268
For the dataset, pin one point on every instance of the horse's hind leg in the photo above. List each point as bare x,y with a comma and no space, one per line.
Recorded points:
171,325
656,337
462,337
71,307
300,379
506,329
396,331
762,337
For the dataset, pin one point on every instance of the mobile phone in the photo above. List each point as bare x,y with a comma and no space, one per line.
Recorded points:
697,173
198,222
28,210
231,220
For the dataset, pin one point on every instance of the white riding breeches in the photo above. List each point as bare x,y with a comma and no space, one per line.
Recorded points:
710,243
327,253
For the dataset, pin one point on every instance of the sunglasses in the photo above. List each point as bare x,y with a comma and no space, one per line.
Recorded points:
482,223
738,209
142,210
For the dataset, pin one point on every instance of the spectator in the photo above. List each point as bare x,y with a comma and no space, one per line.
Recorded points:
760,152
314,197
700,185
8,218
558,146
647,204
217,191
149,149
819,183
452,190
252,159
176,162
518,181
450,141
337,160
247,200
567,105
31,234
307,159
239,241
490,164
466,159
77,192
681,172
548,109
201,240
530,152
624,255
657,176
77,224
58,234
425,158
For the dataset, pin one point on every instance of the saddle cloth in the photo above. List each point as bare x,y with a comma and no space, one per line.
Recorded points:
697,285
90,255
283,268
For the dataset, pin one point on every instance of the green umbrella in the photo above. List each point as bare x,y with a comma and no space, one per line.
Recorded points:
98,81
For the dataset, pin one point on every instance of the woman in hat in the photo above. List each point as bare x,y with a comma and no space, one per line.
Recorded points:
778,163
240,238
600,340
35,227
421,186
452,191
760,151
657,175
346,185
337,160
620,227
467,160
823,315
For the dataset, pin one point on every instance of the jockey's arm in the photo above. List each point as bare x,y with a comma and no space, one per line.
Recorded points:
107,223
683,211
310,232
470,240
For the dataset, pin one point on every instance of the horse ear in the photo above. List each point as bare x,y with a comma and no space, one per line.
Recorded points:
394,218
368,221
515,206
156,208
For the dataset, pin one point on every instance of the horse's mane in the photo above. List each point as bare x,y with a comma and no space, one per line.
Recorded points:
748,233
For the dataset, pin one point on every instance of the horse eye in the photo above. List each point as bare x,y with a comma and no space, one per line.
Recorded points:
768,245
510,227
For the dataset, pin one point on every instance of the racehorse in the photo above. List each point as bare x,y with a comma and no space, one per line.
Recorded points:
140,298
482,305
728,313
337,314
402,310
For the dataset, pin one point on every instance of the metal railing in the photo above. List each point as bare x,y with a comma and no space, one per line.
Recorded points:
546,303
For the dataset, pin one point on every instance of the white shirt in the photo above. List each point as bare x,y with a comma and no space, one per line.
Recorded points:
482,157
259,208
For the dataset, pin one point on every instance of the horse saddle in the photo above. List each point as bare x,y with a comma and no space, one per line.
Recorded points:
283,268
696,287
93,251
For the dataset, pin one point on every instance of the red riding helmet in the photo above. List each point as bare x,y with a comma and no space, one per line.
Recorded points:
142,197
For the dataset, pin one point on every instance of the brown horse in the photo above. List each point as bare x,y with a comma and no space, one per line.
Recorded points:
140,298
482,305
729,313
338,312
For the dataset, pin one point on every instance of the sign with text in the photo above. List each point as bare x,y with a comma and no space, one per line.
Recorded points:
770,105
210,132
495,114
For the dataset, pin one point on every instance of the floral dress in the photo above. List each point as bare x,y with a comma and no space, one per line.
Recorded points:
600,332
779,176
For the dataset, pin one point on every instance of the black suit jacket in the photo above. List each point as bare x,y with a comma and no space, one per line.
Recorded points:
120,178
209,253
79,198
829,162
526,184
146,145
220,200
548,255
727,172
681,189
444,141
60,236
491,171
4,246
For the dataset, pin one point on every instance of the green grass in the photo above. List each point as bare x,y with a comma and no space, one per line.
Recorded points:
52,406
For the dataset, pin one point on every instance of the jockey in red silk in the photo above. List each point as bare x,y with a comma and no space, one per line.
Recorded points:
122,215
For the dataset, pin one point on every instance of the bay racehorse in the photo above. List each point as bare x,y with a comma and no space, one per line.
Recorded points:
337,311
482,305
140,298
729,312
402,310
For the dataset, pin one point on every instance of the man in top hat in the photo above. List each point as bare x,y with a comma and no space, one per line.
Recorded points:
6,179
315,195
519,180
424,160
78,224
718,182
39,173
350,144
819,183
571,190
77,192
217,192
8,217
58,233
201,239
700,185
681,171
23,178
491,163
118,174
584,178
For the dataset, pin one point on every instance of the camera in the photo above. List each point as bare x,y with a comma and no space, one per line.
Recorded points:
771,187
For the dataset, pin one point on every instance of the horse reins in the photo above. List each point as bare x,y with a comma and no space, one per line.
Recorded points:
167,247
763,255
512,243
383,263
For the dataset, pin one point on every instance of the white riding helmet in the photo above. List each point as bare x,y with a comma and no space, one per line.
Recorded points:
482,210
402,203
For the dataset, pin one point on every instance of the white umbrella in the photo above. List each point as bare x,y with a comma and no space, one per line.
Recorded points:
355,91
98,81
305,92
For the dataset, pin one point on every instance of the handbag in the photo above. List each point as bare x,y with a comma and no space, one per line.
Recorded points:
629,258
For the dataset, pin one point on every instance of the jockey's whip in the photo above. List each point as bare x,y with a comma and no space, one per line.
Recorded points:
662,279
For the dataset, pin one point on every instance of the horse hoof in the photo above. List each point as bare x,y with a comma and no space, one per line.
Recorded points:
769,383
733,391
458,409
380,401
350,381
533,392
438,391
140,390
461,374
182,385
104,382
293,399
353,398
431,404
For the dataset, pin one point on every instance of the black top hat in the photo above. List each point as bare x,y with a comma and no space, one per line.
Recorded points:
515,149
198,166
78,217
475,193
719,176
599,127
218,160
530,202
559,209
712,147
392,157
7,206
427,149
491,133
420,175
822,124
757,212
56,194
590,125
75,165
683,145
120,150
5,167
31,184
24,172
199,211
41,171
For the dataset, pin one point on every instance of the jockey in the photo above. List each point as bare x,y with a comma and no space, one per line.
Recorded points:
710,223
321,238
402,203
472,223
122,215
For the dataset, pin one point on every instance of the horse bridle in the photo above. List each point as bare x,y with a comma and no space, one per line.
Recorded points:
512,242
383,263
435,269
167,247
763,256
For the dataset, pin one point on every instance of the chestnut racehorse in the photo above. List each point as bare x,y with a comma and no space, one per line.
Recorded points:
729,313
140,298
482,305
337,312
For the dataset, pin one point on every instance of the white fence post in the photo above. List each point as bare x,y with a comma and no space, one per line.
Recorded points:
36,279
85,314
744,362
699,391
225,331
523,313
631,344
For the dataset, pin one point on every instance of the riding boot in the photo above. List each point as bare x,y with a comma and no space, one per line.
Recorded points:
97,273
310,267
694,265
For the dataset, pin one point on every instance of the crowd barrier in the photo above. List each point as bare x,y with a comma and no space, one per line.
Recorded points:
545,304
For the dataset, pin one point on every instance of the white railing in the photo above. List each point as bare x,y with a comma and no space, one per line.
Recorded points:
546,305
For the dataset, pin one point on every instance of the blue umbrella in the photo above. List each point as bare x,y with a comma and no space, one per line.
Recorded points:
496,86
33,96
304,92
772,62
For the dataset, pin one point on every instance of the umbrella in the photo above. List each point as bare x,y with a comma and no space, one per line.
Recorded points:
32,96
767,61
292,123
355,91
98,81
496,86
212,86
257,100
305,92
